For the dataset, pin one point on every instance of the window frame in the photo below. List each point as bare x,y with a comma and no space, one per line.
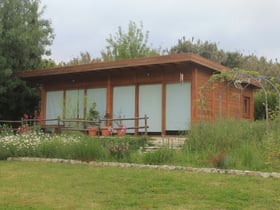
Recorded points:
246,106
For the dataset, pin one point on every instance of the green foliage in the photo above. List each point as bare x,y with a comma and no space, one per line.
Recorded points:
25,34
221,77
121,149
47,63
93,113
228,144
272,100
161,156
130,44
17,98
69,146
205,49
83,58
24,37
5,130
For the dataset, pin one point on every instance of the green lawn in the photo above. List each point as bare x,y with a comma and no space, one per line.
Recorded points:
35,185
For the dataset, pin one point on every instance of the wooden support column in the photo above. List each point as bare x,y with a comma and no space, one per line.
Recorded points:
109,97
136,115
64,105
163,115
43,103
195,113
252,106
85,104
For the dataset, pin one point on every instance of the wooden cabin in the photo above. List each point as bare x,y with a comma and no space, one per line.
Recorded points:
172,90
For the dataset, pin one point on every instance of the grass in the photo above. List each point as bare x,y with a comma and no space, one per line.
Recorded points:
234,144
229,144
33,185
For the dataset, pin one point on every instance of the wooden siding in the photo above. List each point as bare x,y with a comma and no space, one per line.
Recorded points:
217,100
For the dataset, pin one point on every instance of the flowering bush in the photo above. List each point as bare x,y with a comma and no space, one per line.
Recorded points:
28,144
119,150
5,130
72,145
110,129
24,129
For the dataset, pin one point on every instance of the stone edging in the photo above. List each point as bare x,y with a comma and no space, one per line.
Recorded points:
163,167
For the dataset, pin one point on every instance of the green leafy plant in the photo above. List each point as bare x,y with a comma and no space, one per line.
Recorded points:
163,155
93,113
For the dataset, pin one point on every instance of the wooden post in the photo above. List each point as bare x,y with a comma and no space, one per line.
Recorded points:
146,125
43,103
58,130
109,97
99,129
163,111
136,115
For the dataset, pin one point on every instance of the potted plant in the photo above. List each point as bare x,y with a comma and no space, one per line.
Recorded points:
121,130
93,115
107,131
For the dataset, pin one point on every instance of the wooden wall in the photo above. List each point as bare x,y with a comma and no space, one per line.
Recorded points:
218,100
221,99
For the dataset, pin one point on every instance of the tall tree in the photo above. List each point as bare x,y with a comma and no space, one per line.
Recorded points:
84,58
205,49
130,44
24,37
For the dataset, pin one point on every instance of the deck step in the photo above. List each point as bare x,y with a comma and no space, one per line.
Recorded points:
156,143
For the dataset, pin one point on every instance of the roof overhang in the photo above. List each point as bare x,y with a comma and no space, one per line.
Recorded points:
122,64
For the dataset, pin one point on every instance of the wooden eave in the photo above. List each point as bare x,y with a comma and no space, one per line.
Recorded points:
123,65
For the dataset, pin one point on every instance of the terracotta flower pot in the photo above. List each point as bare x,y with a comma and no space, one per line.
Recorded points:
92,131
106,131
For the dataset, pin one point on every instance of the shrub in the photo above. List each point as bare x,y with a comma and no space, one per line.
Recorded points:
88,149
69,146
163,155
121,148
227,144
5,130
219,160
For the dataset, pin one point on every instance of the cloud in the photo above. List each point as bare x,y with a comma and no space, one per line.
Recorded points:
249,26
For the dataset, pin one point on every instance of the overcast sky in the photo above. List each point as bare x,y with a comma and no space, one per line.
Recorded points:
247,26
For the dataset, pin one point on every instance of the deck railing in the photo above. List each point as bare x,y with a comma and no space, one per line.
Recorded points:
57,125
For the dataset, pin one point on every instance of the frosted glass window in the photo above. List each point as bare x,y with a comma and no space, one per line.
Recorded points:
150,104
54,105
74,106
98,96
178,106
124,105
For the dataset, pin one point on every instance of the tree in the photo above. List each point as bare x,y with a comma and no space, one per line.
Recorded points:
84,58
130,44
205,49
24,37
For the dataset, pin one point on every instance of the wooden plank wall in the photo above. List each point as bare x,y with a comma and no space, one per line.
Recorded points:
231,104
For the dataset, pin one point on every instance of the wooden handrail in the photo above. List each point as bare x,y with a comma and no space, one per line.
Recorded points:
10,121
60,123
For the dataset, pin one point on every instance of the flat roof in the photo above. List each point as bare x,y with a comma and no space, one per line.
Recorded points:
122,64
